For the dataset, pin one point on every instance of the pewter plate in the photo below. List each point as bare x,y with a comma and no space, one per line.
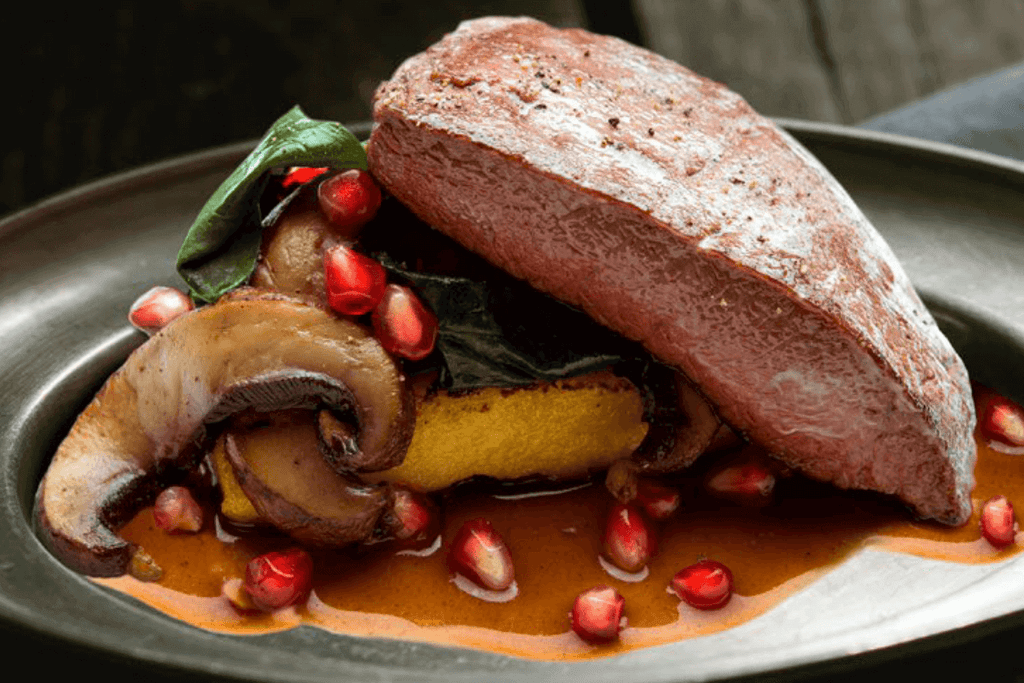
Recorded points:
71,266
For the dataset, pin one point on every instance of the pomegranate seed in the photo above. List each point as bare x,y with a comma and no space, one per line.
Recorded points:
176,510
1003,421
349,200
413,515
355,283
479,554
157,307
234,592
748,481
403,325
659,502
998,522
628,541
279,579
597,614
297,175
704,585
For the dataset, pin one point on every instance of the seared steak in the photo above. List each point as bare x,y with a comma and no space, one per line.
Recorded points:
661,204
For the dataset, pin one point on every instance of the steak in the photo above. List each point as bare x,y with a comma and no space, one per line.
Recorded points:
661,204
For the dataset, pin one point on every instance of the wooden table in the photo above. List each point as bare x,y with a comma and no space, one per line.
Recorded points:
98,88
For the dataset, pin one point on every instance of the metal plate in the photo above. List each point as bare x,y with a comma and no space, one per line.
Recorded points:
71,266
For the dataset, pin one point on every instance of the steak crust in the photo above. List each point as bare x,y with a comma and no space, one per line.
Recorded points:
661,204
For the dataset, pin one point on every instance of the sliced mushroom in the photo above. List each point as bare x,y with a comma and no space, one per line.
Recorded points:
281,471
682,423
249,350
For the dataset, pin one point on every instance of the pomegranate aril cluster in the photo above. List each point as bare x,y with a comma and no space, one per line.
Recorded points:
357,284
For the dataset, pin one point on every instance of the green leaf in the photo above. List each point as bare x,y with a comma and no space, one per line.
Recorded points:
220,251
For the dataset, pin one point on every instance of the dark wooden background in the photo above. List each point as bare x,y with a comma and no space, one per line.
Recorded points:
94,88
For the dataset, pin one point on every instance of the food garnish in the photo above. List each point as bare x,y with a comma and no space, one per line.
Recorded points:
705,585
998,522
596,615
629,540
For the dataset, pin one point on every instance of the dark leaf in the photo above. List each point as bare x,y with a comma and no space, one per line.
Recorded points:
221,248
501,332
493,330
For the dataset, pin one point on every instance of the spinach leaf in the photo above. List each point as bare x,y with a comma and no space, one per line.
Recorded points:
493,330
500,332
220,251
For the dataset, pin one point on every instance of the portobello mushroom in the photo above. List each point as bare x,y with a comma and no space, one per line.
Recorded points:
153,417
281,471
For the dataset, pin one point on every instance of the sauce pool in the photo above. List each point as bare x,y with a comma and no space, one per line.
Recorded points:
555,541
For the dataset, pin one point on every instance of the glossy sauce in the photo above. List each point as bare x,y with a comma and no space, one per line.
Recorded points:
555,541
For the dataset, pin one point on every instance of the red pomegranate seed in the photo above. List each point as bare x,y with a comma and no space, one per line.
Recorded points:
297,175
659,502
234,592
597,614
1003,421
628,540
157,307
403,325
704,585
748,481
998,522
355,283
413,514
279,579
479,554
349,200
176,510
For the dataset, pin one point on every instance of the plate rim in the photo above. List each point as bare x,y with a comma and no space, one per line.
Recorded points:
194,162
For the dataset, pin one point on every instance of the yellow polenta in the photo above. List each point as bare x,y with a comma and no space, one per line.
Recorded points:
562,430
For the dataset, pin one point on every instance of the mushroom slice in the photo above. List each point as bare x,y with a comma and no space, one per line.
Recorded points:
682,423
280,469
249,350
